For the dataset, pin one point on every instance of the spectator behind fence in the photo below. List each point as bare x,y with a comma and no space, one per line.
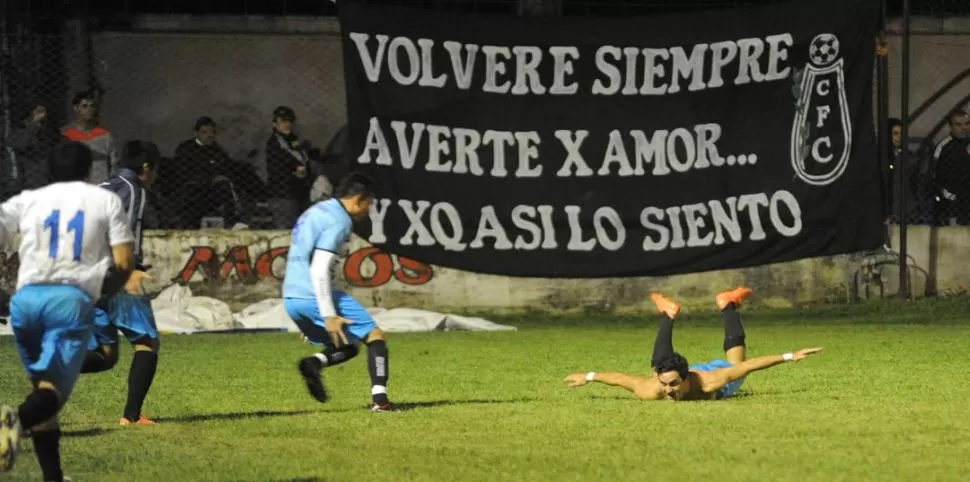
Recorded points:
949,172
200,178
910,172
288,170
30,145
85,129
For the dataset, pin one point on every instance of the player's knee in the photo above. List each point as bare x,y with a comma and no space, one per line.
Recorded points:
375,335
148,344
110,355
100,360
733,341
350,351
49,385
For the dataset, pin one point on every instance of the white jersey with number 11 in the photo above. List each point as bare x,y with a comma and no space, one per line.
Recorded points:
66,231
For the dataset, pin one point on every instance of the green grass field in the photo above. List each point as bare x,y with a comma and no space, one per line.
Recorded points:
887,400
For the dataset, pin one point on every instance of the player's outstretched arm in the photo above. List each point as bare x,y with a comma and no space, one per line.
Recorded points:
638,385
727,375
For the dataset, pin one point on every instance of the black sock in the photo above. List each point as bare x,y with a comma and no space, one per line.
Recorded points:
140,379
336,356
40,406
663,345
95,361
378,369
733,329
48,450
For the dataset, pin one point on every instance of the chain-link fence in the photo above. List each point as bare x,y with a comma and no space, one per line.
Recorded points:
211,102
935,177
242,121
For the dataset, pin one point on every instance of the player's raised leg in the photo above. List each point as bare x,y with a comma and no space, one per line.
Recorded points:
306,314
663,345
734,339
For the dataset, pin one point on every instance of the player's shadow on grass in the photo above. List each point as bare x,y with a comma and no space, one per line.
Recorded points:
208,417
407,406
91,432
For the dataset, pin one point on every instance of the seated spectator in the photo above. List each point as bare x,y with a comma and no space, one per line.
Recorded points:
85,129
202,177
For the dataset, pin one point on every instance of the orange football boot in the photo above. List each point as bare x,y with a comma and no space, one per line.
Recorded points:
666,305
736,296
142,420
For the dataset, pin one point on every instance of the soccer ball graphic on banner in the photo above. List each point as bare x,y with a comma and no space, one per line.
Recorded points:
824,49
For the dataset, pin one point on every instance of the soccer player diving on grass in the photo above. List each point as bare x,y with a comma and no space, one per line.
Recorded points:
673,379
327,316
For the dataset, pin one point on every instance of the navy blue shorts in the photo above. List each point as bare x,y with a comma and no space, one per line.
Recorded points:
130,314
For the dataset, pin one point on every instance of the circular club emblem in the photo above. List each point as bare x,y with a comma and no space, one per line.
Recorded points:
823,50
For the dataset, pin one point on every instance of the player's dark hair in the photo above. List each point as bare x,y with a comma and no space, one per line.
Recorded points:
70,161
135,154
673,363
356,183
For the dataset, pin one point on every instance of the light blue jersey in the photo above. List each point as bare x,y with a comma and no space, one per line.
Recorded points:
324,226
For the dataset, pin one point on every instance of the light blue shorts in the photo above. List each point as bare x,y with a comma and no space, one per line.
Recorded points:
306,314
731,388
52,326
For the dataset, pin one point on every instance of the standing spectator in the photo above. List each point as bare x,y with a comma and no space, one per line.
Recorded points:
288,170
950,172
910,172
30,146
85,129
202,174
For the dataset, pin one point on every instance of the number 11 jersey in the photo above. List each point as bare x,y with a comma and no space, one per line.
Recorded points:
66,231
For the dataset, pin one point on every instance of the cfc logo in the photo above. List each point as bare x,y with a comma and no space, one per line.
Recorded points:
821,137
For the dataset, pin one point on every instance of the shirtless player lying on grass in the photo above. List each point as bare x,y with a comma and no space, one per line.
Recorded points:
673,379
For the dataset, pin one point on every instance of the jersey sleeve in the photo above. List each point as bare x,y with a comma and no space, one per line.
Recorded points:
10,213
119,232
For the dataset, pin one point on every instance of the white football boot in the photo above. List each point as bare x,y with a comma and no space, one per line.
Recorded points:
10,435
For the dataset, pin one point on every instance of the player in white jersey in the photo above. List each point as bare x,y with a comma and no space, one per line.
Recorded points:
327,316
75,245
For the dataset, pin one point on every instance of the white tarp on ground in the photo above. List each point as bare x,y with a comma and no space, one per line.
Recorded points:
178,311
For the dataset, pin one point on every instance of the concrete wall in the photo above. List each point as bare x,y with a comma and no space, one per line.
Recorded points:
157,84
244,267
935,60
237,69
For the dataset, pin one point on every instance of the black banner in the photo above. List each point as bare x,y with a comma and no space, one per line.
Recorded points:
609,147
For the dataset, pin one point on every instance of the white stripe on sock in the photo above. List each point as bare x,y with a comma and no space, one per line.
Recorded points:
378,389
322,358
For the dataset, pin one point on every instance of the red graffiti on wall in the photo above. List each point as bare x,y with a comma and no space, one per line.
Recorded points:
205,261
407,271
